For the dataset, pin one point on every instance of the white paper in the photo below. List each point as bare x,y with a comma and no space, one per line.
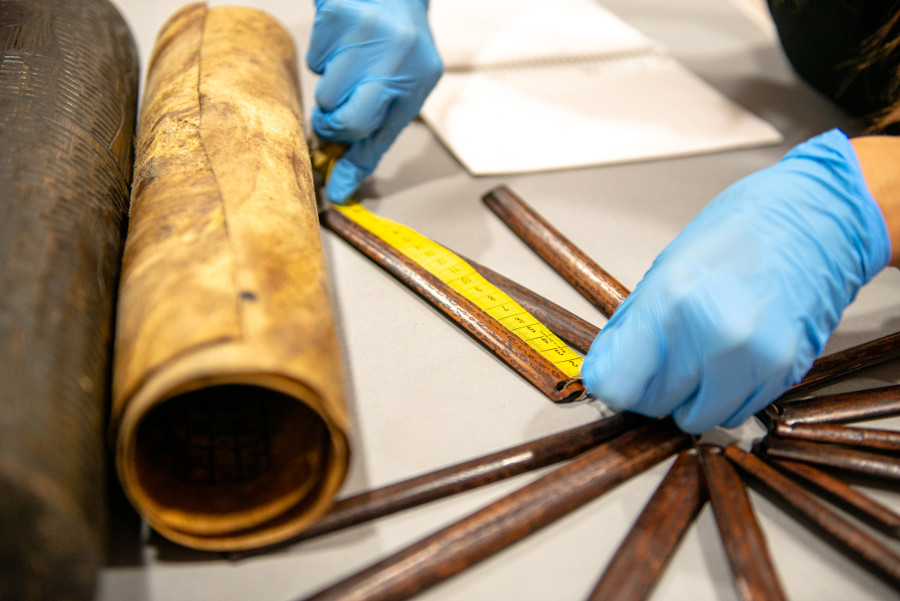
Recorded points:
550,84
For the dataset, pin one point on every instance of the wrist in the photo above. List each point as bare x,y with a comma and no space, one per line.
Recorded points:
879,159
855,221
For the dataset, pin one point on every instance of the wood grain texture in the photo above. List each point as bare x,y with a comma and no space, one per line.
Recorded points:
462,477
587,277
850,460
882,517
655,536
844,407
68,94
475,321
755,578
508,520
859,545
229,415
884,441
840,364
572,329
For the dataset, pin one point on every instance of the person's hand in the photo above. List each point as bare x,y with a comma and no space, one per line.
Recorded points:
377,62
735,310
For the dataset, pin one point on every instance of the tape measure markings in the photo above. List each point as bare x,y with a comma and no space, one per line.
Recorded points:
464,279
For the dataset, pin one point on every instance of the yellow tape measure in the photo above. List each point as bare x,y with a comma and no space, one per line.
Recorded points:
464,279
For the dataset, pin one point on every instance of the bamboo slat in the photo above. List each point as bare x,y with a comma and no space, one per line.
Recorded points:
508,520
655,535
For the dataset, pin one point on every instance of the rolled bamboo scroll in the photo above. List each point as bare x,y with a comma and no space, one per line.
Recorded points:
229,415
68,94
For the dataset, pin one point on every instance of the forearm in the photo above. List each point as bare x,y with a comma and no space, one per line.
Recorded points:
879,157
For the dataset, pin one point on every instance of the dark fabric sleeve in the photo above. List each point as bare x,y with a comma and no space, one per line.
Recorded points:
823,39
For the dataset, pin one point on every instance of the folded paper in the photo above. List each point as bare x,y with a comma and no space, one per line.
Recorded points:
533,85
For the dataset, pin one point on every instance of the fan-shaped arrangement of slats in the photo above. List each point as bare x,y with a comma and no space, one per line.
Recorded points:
807,462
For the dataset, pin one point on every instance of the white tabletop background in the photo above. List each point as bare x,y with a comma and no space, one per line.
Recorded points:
423,395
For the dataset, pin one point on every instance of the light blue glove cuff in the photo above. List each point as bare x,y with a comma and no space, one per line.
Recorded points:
734,311
837,192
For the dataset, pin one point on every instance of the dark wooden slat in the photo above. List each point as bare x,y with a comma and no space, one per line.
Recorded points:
575,331
852,500
754,575
843,363
505,345
582,272
68,92
885,441
606,293
863,548
510,519
462,477
655,535
851,460
859,405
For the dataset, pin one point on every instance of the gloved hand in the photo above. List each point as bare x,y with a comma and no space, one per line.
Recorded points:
377,62
736,309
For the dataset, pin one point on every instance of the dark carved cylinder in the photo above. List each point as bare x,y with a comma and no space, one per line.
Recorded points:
68,90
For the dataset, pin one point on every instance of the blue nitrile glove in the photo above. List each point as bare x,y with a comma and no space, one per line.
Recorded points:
377,62
736,309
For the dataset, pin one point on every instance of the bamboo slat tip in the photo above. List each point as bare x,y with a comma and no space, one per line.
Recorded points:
733,450
770,416
740,457
573,390
500,189
712,449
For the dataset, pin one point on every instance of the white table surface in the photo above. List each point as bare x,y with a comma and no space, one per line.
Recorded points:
423,395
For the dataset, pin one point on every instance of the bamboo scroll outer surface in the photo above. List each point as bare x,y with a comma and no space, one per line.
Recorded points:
229,415
68,92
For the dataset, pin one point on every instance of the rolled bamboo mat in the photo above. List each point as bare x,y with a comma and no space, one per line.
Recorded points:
68,94
229,417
